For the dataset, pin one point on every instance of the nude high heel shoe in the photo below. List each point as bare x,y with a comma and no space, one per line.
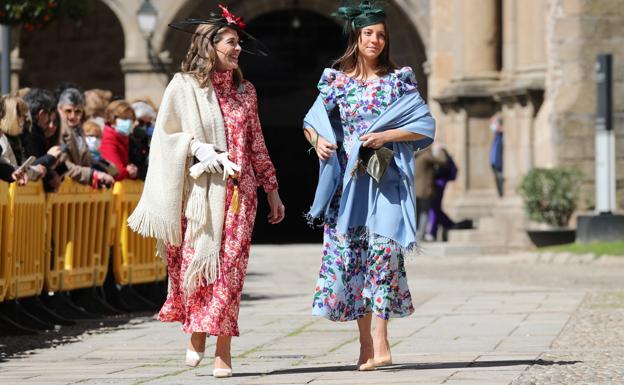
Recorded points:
221,372
193,358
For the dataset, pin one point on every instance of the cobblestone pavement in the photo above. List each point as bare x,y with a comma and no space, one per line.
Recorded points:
593,339
479,320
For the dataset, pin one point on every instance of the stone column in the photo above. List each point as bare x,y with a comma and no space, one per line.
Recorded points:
144,78
538,53
510,35
16,68
480,38
524,35
16,61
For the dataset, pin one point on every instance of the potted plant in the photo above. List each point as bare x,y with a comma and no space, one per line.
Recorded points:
550,197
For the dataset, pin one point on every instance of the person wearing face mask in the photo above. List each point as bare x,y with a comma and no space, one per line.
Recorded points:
207,159
116,138
93,137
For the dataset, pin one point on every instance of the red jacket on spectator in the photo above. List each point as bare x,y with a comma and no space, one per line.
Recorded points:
114,148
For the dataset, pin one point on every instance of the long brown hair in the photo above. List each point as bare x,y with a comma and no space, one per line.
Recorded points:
350,62
201,57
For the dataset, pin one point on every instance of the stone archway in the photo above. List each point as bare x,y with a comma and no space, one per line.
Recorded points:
408,21
87,55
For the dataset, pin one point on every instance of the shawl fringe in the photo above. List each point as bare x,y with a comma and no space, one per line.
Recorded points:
149,224
188,112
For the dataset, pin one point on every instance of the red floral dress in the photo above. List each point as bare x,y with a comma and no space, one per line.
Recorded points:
214,308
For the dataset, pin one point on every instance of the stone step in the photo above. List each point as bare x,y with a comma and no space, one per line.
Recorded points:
488,224
472,236
447,249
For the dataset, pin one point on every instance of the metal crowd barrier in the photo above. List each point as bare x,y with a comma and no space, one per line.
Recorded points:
25,245
79,228
5,262
134,257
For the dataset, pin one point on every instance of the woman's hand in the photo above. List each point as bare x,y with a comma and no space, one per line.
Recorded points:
132,171
324,149
20,176
374,140
55,151
278,211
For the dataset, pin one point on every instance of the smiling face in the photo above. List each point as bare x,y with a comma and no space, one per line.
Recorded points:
372,41
227,47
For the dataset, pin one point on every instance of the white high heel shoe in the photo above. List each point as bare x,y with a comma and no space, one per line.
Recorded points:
221,373
193,358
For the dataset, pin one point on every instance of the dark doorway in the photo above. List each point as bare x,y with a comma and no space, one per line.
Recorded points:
302,43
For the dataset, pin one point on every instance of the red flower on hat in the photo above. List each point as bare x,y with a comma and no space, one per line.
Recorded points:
231,18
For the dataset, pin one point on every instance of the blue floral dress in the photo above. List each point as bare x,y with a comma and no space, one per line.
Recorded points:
360,272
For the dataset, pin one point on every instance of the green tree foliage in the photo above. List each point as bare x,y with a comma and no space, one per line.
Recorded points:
36,14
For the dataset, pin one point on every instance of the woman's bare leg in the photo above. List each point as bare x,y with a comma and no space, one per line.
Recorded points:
223,352
366,339
380,341
197,342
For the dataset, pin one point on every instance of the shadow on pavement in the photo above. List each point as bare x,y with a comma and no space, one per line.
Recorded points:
472,364
412,366
16,346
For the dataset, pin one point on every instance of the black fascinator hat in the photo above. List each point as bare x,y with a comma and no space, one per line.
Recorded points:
249,44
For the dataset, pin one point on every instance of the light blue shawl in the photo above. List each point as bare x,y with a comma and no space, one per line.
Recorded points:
388,208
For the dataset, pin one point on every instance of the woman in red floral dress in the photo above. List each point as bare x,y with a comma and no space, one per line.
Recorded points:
211,305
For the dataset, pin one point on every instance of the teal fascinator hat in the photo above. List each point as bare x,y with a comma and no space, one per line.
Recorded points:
360,16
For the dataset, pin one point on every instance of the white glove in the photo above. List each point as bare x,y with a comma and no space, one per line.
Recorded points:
196,170
229,167
206,154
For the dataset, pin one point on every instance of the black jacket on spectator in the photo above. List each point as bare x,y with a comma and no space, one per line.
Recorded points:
138,151
6,170
34,143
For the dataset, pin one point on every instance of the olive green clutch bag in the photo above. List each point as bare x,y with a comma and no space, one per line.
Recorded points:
374,161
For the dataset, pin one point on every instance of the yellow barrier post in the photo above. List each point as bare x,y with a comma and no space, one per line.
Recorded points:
134,257
5,261
80,220
26,245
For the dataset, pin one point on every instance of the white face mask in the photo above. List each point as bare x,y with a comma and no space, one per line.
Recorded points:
93,142
493,127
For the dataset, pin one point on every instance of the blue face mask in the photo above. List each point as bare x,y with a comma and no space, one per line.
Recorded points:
123,126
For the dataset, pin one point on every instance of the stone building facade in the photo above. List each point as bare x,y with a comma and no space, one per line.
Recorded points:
530,60
534,62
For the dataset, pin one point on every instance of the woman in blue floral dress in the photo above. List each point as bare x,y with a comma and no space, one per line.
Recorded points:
362,271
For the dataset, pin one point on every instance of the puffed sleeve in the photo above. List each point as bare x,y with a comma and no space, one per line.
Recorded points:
329,87
405,79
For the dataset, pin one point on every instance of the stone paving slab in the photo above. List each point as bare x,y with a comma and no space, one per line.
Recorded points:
467,330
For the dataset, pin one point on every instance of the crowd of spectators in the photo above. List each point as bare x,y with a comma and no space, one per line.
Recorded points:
67,133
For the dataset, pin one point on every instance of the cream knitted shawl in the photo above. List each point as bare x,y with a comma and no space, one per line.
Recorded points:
187,112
